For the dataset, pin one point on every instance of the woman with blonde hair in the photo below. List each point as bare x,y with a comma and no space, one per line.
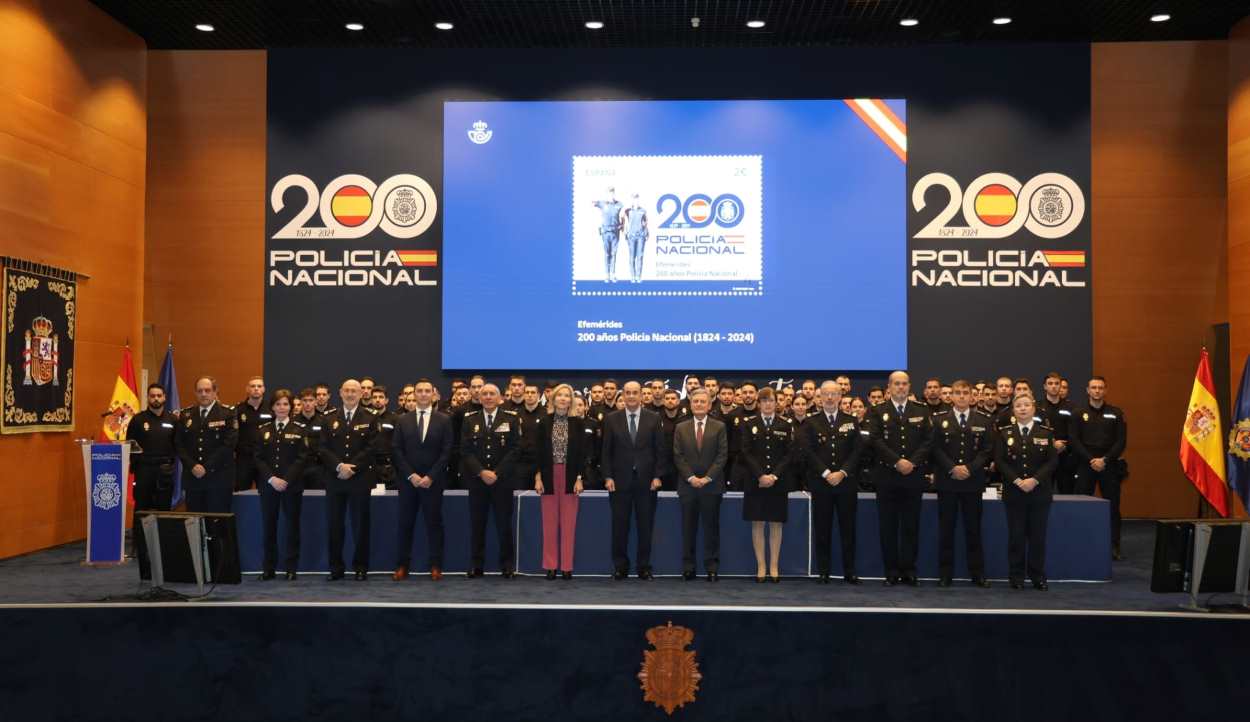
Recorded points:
563,449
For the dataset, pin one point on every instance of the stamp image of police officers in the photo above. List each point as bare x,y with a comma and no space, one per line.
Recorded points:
635,223
609,231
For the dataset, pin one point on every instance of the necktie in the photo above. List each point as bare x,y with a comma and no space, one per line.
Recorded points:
900,410
348,416
698,436
281,425
1024,431
963,421
633,427
421,426
830,417
490,421
768,424
203,413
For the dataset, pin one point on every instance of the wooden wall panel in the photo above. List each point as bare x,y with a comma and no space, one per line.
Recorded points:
206,214
1239,197
73,135
1159,245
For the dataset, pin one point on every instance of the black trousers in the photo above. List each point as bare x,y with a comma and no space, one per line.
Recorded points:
1065,474
1027,515
153,492
824,507
632,498
289,502
951,504
340,501
430,503
214,499
483,499
898,509
245,471
700,509
1108,483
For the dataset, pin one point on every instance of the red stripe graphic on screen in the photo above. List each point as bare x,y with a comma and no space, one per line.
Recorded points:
883,122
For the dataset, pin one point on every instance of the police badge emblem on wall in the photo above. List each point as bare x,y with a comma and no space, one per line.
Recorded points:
37,359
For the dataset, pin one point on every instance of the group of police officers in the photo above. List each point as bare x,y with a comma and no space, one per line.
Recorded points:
954,439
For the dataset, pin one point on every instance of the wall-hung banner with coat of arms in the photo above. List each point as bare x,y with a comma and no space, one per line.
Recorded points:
40,307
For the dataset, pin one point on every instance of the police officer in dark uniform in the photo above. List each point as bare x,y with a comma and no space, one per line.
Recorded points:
963,444
153,429
490,445
207,435
1098,436
309,418
383,470
454,480
832,443
1058,412
769,455
348,449
593,477
282,450
251,412
670,416
734,474
1026,456
901,434
531,415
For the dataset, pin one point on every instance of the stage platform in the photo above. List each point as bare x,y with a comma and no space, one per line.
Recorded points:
532,649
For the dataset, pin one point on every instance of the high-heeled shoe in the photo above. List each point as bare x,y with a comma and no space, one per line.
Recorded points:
759,580
774,578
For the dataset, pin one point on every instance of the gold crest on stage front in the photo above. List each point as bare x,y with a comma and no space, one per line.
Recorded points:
670,675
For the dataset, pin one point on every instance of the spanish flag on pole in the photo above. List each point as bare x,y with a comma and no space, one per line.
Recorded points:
124,404
1202,441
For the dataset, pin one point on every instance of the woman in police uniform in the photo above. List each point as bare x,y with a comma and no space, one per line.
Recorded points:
1025,455
766,451
282,451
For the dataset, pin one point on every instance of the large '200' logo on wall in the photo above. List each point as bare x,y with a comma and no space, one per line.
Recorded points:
996,205
352,206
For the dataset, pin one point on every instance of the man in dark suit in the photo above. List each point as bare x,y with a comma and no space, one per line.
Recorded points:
347,449
207,434
900,431
420,450
490,448
700,450
633,462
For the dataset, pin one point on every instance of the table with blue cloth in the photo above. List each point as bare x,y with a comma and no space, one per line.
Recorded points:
1079,538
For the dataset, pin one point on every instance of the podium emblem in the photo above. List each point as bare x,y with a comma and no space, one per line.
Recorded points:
670,675
106,493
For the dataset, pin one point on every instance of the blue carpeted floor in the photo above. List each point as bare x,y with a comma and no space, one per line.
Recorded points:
56,576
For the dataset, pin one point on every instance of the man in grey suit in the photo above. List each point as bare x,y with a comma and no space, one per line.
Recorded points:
700,449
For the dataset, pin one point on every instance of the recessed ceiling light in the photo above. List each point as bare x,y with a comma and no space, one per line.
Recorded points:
205,28
594,24
755,24
444,26
1160,18
909,22
354,26
1002,21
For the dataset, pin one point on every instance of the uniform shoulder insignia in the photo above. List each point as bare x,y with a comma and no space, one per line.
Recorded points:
748,418
267,423
940,413
509,411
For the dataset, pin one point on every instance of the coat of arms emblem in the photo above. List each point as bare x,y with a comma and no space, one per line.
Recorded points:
1200,423
1239,440
41,359
670,676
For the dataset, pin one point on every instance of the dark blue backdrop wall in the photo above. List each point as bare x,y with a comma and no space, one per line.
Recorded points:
982,300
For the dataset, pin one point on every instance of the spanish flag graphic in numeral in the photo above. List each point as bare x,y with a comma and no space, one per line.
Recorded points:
351,206
1065,259
996,205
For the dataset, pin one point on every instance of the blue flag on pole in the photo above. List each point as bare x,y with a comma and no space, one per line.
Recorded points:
1239,441
169,380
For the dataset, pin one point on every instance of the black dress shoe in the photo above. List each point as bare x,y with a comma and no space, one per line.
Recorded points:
911,580
944,582
824,578
1017,584
474,573
713,577
362,575
335,576
688,576
891,581
619,575
646,575
551,574
267,575
981,582
291,576
508,574
566,575
1040,585
852,580
1115,553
